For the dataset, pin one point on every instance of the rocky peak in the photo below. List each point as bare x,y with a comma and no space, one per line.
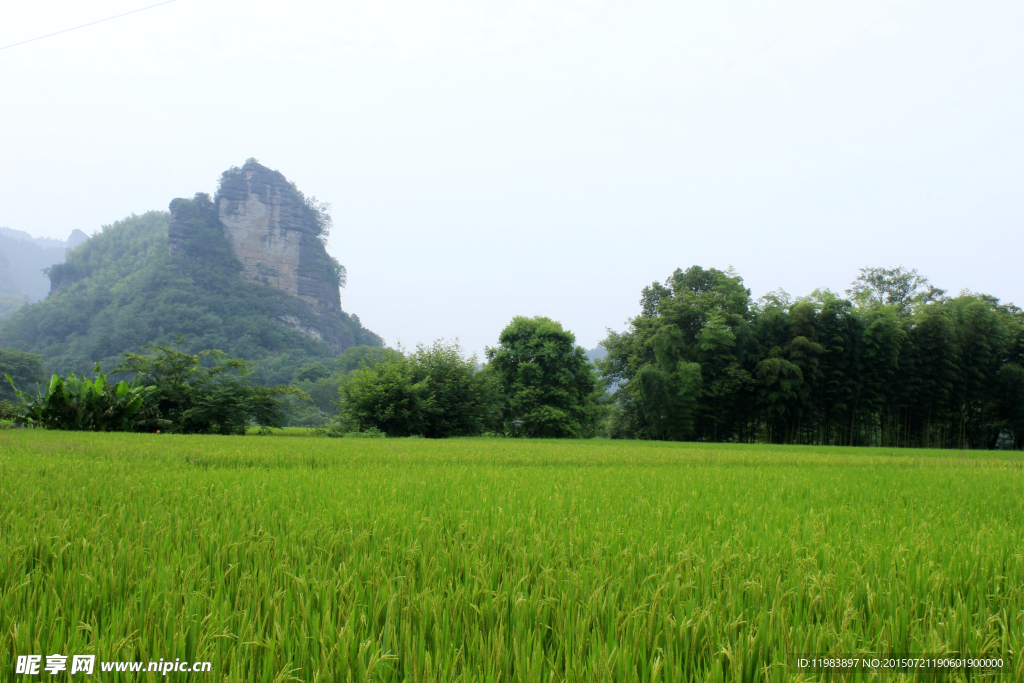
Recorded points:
274,232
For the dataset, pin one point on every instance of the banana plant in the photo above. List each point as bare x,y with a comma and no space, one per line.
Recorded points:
77,403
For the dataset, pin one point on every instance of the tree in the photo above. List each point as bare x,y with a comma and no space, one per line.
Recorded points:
788,375
358,357
896,364
384,397
931,374
321,383
839,332
778,383
548,383
25,370
669,399
1011,383
680,367
1011,402
436,392
878,359
897,287
984,336
206,393
311,372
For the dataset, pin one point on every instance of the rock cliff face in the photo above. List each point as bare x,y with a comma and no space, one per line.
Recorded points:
275,235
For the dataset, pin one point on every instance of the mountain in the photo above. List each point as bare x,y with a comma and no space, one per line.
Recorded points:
11,298
73,240
7,282
28,257
245,272
597,353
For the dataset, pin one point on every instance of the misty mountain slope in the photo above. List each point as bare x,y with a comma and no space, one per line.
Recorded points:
29,256
11,297
7,283
122,289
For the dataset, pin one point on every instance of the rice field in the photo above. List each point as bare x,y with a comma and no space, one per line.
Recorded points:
308,559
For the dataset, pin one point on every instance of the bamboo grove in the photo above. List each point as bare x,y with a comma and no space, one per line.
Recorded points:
896,362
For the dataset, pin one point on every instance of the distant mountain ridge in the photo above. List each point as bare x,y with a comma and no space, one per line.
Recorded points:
73,240
27,258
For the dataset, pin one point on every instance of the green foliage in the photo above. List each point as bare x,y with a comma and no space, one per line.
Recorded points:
9,303
24,369
385,397
311,372
896,287
319,402
337,431
435,392
669,399
211,397
685,369
79,404
358,357
897,364
547,383
1010,401
321,383
123,290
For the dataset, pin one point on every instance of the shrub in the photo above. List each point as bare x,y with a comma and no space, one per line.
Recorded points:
76,403
207,393
435,392
25,370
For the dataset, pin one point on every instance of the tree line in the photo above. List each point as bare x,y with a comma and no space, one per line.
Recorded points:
537,383
169,391
896,362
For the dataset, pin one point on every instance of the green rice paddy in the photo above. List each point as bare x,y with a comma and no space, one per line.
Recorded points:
315,559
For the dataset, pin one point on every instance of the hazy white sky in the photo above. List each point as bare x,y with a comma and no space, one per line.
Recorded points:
491,159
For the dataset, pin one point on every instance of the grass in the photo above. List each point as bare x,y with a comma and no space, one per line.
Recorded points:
503,560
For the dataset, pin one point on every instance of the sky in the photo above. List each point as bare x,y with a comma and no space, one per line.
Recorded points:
544,157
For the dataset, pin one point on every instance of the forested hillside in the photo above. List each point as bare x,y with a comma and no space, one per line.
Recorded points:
895,363
122,290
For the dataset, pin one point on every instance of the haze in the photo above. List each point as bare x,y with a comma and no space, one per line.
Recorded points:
492,159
